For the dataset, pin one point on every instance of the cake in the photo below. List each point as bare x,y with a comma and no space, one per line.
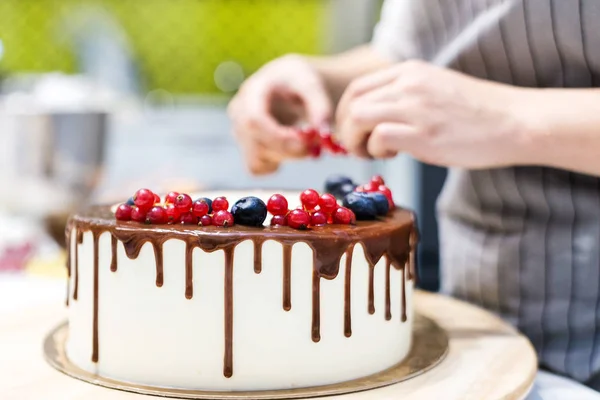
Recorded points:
239,308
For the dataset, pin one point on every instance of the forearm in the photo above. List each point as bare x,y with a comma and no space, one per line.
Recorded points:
562,129
341,69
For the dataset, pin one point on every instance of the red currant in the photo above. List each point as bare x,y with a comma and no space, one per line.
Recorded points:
309,199
200,208
298,219
172,213
319,218
156,199
277,205
205,220
370,187
171,198
138,214
123,212
144,199
220,204
314,151
183,202
187,218
387,193
327,141
344,216
309,134
377,180
222,218
328,203
157,215
279,220
337,148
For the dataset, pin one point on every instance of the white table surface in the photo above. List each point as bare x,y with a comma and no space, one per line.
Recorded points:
18,293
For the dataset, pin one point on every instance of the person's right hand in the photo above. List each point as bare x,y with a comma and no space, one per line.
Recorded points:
283,93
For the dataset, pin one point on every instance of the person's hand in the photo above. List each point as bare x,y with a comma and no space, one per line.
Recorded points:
437,115
282,93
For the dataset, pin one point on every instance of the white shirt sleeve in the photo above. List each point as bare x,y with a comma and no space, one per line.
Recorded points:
396,34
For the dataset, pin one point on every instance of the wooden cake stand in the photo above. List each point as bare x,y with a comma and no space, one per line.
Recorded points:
487,359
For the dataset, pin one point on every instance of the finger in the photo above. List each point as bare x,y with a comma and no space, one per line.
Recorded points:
319,110
363,118
255,119
389,139
363,85
259,161
387,93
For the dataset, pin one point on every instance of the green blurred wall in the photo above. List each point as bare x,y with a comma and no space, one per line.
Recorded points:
177,43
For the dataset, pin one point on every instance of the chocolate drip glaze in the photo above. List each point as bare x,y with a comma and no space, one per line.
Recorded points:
258,256
113,253
347,293
68,263
158,256
78,241
404,272
189,277
96,236
388,311
228,359
371,302
393,237
287,276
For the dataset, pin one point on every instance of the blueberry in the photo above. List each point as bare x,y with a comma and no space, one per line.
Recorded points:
207,201
381,202
130,202
249,211
343,190
362,205
334,183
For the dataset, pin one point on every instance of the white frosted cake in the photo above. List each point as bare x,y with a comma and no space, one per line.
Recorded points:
239,307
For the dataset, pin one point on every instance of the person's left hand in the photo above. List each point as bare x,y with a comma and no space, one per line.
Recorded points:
437,115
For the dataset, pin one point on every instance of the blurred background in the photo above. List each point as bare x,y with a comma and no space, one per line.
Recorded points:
101,97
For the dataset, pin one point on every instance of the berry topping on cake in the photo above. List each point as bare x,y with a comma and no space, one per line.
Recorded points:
156,199
387,193
381,202
172,213
171,198
157,216
187,218
377,180
205,220
249,211
220,204
334,183
343,216
328,203
362,206
183,202
207,201
318,218
222,218
138,215
123,212
298,219
144,199
277,205
309,199
200,208
279,220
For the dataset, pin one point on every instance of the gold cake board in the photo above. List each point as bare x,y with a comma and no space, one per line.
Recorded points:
429,347
486,359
